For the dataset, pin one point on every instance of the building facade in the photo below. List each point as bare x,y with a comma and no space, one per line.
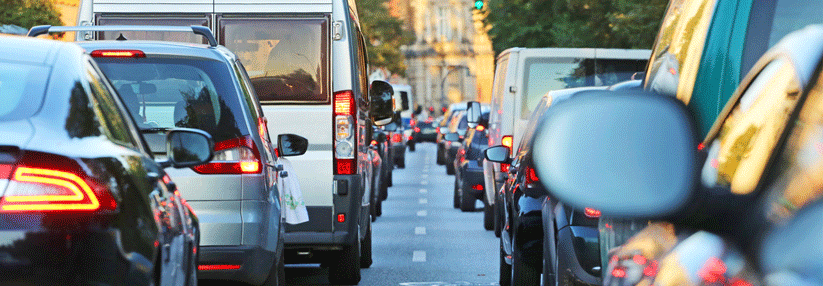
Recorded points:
451,59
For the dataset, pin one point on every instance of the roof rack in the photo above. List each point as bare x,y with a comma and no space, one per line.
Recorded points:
200,30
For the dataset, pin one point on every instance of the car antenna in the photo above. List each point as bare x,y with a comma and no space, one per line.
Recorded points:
121,38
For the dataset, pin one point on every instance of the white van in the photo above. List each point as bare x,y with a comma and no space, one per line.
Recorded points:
307,62
524,75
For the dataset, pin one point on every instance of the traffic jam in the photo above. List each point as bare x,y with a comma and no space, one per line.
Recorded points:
218,142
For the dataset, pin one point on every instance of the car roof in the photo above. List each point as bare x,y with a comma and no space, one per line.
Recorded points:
164,48
30,50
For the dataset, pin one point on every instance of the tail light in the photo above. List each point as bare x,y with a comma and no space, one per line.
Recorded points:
531,177
480,128
477,187
506,141
413,122
410,138
50,183
118,54
417,129
344,137
233,156
397,138
592,213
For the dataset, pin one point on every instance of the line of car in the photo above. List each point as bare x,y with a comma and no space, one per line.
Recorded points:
575,185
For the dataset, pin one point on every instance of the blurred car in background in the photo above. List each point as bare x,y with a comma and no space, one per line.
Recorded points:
468,178
443,127
424,131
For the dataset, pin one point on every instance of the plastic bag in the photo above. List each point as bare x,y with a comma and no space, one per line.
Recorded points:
293,203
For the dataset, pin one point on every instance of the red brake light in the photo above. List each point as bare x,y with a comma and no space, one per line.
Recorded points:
60,186
713,271
233,156
619,272
700,146
413,122
504,167
477,187
593,213
344,103
217,267
344,166
651,269
531,177
374,142
397,138
480,128
118,54
417,129
639,259
341,218
410,138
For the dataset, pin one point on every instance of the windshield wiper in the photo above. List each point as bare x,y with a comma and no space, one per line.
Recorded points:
154,129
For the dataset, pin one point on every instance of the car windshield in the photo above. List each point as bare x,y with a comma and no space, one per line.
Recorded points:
167,93
19,81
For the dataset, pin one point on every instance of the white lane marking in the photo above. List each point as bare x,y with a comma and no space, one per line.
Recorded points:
419,230
423,201
422,213
423,191
419,256
424,182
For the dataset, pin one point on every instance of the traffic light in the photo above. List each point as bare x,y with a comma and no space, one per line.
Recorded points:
478,4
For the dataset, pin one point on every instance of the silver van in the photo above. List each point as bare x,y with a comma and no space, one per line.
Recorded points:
307,63
524,75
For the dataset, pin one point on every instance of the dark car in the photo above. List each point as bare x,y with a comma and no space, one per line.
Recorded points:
166,85
380,172
424,131
443,128
459,125
539,234
468,178
85,202
741,205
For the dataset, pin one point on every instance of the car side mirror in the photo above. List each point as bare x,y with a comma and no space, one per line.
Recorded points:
187,147
292,145
473,113
381,102
453,137
628,154
498,154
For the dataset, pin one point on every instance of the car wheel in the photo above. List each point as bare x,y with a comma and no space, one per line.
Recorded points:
365,250
523,272
379,208
345,268
384,189
440,159
449,169
456,195
466,201
401,163
411,147
390,179
498,215
505,268
488,216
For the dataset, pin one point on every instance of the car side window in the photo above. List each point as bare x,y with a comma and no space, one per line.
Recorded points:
738,155
113,123
676,56
497,92
797,177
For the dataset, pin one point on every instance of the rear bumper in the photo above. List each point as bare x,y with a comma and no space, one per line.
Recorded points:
473,177
71,258
255,263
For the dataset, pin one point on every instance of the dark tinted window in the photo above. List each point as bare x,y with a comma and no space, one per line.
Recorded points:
771,20
404,100
287,59
21,90
114,124
172,93
158,36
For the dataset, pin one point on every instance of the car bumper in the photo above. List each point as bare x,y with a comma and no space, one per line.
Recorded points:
253,263
70,258
574,244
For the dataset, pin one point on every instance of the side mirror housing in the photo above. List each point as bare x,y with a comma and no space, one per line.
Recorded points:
453,137
292,145
381,102
187,147
473,111
628,154
498,154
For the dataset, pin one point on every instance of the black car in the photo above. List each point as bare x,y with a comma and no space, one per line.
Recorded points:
424,131
468,178
85,201
443,128
459,125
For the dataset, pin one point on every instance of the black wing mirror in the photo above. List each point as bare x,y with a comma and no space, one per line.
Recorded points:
381,102
292,145
187,147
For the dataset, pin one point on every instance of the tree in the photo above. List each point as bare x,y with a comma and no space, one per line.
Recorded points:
573,23
29,13
383,34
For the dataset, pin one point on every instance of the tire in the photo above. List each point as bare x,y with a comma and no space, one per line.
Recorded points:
449,169
488,217
456,194
411,147
523,273
505,268
401,163
277,274
345,268
365,250
379,208
384,189
390,179
440,159
466,202
498,215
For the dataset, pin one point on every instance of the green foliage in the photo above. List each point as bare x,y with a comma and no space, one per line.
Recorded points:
574,23
383,34
29,13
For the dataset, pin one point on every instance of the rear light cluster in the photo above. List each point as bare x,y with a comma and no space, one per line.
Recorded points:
397,138
233,156
480,128
506,141
417,129
344,137
49,183
593,213
531,177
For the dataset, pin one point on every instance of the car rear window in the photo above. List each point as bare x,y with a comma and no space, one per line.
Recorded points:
112,20
287,58
547,74
174,92
18,81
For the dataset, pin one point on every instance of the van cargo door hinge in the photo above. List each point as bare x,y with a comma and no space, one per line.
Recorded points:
337,33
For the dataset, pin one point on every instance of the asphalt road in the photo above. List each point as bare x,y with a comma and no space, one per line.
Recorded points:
420,239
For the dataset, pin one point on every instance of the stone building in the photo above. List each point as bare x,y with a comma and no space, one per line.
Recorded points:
451,59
